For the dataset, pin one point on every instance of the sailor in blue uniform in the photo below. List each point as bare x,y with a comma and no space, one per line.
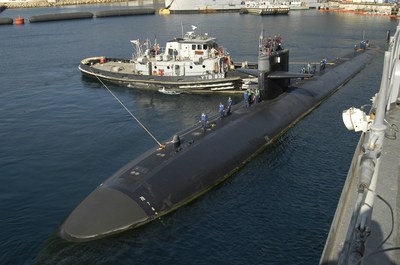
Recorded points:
221,110
204,120
322,64
246,98
228,106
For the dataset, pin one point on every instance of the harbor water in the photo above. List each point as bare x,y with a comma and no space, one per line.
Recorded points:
61,135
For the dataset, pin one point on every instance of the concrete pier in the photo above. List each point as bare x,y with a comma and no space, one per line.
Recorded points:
41,3
362,8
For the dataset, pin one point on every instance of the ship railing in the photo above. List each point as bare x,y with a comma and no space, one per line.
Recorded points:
141,50
370,155
224,51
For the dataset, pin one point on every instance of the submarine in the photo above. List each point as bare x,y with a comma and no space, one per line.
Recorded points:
191,163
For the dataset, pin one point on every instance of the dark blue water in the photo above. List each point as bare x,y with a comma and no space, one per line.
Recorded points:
62,135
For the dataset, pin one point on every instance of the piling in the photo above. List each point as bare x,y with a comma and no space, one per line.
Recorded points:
60,16
125,12
6,21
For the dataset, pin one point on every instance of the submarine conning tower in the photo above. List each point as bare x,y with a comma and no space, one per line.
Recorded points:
277,61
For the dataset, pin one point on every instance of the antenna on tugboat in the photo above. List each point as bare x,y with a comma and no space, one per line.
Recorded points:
261,39
182,28
161,146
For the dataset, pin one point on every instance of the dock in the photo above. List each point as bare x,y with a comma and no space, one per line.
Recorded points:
365,228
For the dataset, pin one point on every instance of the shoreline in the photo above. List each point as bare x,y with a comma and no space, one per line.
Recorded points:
40,3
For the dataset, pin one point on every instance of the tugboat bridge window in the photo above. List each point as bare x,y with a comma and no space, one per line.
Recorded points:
199,47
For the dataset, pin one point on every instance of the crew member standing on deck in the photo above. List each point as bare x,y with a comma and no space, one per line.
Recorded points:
204,120
228,106
246,99
213,52
251,94
221,110
257,96
177,143
322,64
308,68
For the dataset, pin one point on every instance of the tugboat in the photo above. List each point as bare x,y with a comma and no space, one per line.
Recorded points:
188,64
204,6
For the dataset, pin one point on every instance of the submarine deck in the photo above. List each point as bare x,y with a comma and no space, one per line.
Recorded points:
195,133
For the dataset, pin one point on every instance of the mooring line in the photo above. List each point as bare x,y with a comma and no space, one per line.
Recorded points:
133,116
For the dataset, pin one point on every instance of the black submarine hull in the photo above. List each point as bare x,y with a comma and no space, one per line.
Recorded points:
162,180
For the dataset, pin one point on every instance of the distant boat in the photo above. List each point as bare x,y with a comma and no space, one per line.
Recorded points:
191,63
204,6
210,6
266,8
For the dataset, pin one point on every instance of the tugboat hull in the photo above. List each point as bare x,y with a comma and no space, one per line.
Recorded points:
119,71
